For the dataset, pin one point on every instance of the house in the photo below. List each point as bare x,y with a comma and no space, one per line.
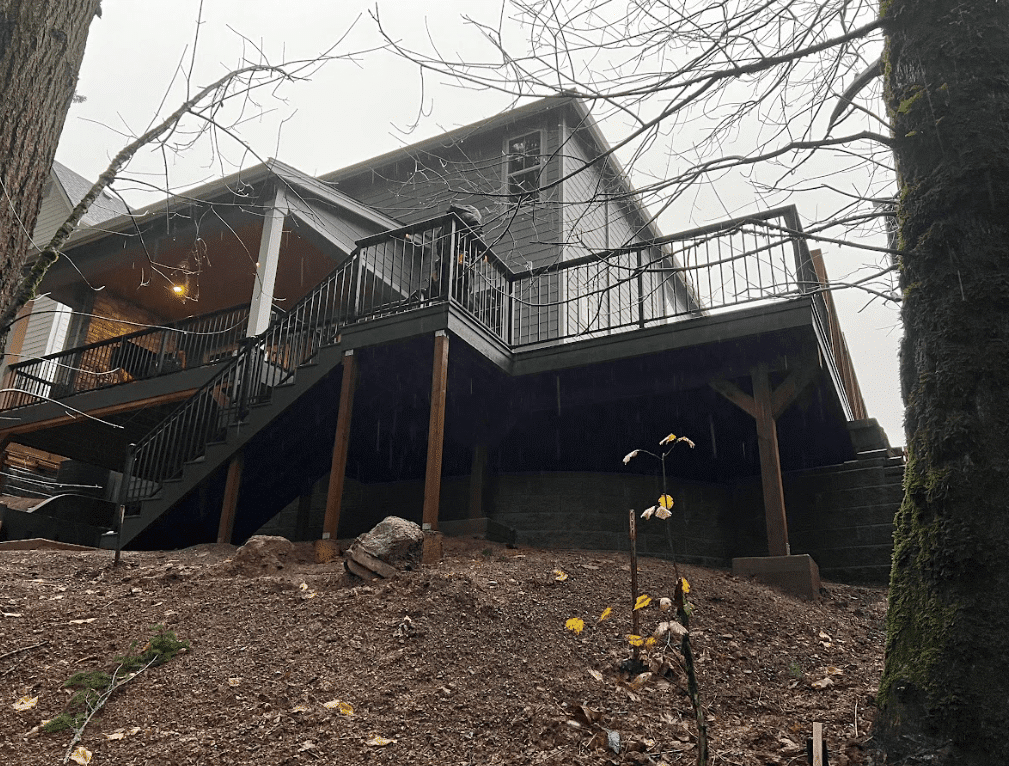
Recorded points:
280,352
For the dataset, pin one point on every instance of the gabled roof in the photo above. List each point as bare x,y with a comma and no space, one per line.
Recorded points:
105,207
584,125
291,177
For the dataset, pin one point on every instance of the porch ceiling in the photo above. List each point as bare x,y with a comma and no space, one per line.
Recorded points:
214,264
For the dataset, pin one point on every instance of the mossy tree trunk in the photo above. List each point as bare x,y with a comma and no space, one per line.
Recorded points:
945,687
41,49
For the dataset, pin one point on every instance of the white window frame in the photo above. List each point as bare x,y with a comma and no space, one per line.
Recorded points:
517,183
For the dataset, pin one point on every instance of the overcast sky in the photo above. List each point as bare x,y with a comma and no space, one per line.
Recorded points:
352,110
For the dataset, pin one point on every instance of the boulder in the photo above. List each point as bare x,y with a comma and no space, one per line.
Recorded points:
393,540
263,554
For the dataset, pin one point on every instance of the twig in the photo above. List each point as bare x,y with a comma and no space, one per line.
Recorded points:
23,649
100,703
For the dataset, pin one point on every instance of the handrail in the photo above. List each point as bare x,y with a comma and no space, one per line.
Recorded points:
186,344
262,363
442,260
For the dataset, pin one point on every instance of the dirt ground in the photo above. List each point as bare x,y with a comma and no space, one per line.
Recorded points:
464,662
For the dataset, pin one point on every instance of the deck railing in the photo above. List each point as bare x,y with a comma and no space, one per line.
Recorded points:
747,260
183,345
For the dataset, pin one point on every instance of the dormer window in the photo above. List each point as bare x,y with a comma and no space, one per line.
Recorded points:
523,169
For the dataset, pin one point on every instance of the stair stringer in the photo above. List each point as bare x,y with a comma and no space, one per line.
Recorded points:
218,454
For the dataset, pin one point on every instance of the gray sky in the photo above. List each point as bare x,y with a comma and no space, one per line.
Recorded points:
352,110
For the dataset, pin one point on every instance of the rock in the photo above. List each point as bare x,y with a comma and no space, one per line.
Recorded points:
263,554
395,541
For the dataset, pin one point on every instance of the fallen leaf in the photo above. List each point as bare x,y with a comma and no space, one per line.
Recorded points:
377,741
115,735
299,708
88,621
635,640
665,604
25,703
823,683
643,600
606,614
595,674
303,586
234,681
560,575
575,624
81,755
832,671
344,708
307,745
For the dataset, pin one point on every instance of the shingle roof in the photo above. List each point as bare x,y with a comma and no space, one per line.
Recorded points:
106,206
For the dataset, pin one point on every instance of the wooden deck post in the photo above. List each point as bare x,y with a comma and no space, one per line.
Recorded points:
341,444
230,504
765,407
770,463
436,430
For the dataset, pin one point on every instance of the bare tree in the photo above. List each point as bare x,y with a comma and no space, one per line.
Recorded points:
784,95
212,112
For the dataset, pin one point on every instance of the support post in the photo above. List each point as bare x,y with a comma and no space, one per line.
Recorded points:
770,463
341,444
436,431
230,503
478,472
124,496
266,271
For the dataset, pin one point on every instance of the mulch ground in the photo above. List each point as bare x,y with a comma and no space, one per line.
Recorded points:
465,662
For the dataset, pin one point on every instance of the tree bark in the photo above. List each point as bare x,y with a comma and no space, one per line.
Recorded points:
41,49
946,679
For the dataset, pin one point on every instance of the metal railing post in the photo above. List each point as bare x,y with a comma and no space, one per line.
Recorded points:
124,487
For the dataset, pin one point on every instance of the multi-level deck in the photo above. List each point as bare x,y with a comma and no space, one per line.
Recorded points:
559,369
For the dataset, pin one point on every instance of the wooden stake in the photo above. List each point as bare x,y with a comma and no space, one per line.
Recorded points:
230,504
635,617
341,445
770,463
436,431
819,746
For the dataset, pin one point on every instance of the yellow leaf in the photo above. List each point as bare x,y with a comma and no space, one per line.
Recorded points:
344,708
575,625
650,642
377,741
643,600
606,614
26,703
668,440
560,575
234,681
686,585
635,640
666,502
81,755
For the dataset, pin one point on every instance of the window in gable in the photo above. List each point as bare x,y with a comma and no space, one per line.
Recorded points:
524,160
